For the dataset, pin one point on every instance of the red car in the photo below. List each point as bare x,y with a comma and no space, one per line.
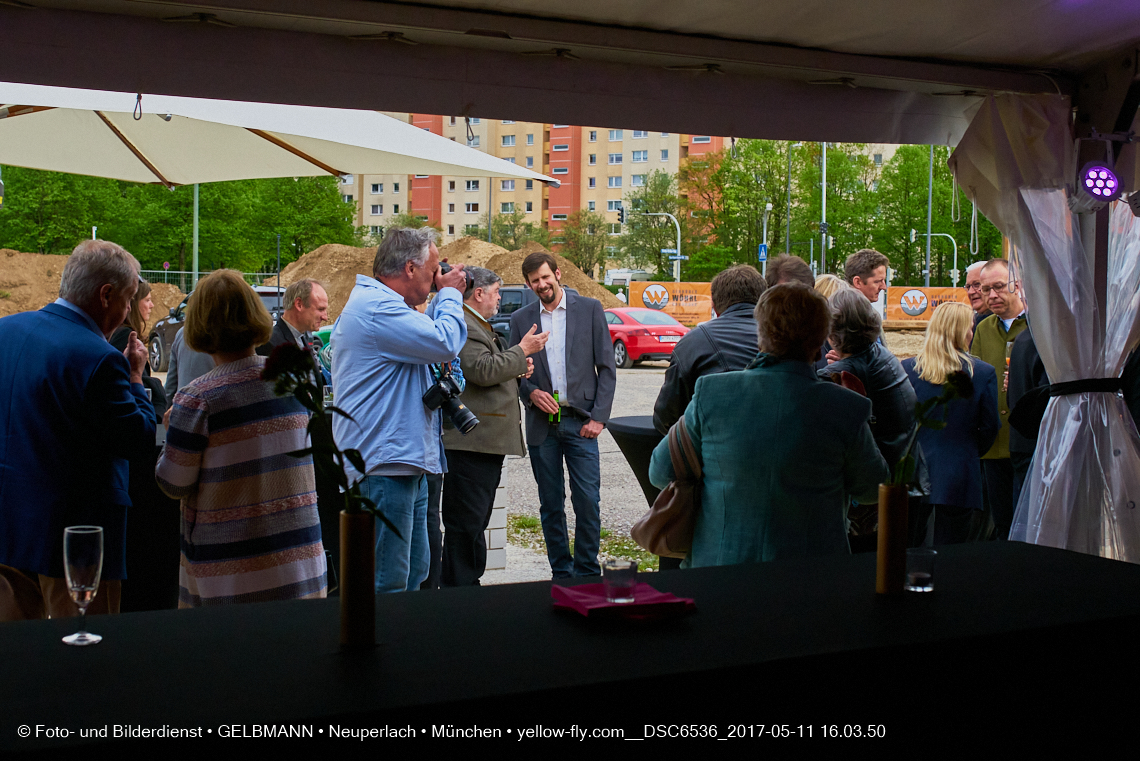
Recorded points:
641,334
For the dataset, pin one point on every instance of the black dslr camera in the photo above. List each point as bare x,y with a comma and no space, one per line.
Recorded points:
445,393
444,268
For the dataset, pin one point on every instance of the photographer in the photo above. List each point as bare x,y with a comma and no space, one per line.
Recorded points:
475,460
381,371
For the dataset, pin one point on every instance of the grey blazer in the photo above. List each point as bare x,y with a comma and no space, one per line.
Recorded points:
591,376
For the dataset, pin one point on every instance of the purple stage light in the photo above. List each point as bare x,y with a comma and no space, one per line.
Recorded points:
1100,182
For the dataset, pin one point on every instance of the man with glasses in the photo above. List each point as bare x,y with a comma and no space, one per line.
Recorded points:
991,338
974,292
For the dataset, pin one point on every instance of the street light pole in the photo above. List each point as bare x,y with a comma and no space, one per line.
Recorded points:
823,220
677,261
767,211
929,209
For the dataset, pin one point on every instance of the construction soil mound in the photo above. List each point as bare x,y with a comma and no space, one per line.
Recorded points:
333,265
470,251
165,298
28,281
509,267
905,343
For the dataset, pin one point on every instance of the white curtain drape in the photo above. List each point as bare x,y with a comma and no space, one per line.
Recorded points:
1083,487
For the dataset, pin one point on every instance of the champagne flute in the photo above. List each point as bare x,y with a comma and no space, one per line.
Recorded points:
83,565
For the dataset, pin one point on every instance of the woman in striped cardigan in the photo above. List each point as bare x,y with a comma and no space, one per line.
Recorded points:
250,530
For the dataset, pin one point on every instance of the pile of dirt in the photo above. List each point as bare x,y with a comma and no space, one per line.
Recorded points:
165,298
28,281
509,267
335,266
905,343
470,251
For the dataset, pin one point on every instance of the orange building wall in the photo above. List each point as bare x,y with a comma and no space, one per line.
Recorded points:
567,198
425,194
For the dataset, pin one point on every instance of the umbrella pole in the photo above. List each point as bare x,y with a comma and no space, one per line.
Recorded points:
194,282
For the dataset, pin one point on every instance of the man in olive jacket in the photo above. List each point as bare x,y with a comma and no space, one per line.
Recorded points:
475,461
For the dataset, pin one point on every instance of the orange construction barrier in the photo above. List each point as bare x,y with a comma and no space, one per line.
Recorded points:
688,303
918,304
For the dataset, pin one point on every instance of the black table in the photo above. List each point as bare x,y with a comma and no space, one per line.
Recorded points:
1014,638
636,438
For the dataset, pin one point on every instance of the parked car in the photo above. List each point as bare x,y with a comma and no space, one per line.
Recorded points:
513,298
161,336
642,334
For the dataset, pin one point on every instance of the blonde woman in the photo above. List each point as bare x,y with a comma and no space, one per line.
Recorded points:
952,454
828,284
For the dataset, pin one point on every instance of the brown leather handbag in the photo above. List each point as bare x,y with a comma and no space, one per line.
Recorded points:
667,529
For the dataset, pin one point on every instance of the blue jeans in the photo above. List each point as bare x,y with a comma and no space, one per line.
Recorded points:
581,456
401,564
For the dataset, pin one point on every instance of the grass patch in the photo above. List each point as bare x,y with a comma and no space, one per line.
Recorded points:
5,294
526,531
626,548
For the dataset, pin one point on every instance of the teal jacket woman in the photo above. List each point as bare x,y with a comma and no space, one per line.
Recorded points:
783,452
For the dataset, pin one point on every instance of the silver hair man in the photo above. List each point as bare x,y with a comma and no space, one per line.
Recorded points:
93,264
400,246
481,277
302,289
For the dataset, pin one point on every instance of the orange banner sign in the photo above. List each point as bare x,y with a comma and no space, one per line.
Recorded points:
918,304
688,303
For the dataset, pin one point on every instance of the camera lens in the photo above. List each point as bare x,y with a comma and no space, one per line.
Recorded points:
461,417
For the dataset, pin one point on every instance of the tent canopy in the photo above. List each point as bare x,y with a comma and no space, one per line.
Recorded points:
842,70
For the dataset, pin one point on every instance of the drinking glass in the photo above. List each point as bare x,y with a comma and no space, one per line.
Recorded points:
920,569
619,577
82,566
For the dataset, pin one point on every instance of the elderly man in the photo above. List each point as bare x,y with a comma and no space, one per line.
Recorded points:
382,366
991,339
718,346
866,271
787,268
475,461
974,292
72,411
308,309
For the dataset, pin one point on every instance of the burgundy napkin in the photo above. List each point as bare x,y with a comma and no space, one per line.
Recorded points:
590,600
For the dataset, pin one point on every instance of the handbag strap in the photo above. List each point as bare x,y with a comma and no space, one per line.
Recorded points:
686,464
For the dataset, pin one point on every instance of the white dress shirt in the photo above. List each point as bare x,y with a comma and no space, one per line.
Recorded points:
554,322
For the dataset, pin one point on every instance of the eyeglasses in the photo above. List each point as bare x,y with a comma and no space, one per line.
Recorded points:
1000,288
973,287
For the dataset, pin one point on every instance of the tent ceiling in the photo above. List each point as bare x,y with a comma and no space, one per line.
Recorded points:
865,70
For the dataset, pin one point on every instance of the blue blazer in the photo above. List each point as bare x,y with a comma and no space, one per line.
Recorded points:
69,419
953,455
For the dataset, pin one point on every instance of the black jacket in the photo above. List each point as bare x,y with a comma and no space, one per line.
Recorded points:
1026,372
719,346
282,335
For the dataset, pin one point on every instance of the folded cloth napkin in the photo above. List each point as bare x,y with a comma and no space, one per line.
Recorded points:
590,600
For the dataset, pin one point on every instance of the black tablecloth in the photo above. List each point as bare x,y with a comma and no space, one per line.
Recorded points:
1013,639
636,438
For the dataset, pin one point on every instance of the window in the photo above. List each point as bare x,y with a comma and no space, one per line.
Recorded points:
593,136
560,170
377,188
615,182
453,121
422,218
472,184
451,208
615,228
561,147
558,217
451,229
472,208
530,184
613,205
473,142
507,185
470,229
347,199
878,159
507,121
702,139
422,176
474,119
640,157
376,229
509,159
639,134
591,206
615,158
451,185
664,154
508,141
615,134
593,159
530,139
664,134
559,126
529,207
377,208
593,182
346,179
395,208
529,162
395,187
637,180
507,207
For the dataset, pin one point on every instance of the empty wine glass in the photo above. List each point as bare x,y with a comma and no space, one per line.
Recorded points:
83,565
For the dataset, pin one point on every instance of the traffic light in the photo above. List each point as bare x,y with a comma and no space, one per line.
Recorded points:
621,215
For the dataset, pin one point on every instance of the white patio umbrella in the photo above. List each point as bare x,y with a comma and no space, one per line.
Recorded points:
187,141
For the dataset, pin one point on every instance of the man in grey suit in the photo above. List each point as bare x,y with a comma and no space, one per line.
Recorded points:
568,401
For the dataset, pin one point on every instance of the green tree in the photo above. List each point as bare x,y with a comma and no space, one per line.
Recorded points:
50,213
645,236
584,239
511,230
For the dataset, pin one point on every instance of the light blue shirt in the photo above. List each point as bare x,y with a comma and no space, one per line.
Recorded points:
381,371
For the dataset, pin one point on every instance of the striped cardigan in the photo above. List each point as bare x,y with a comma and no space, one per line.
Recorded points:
250,530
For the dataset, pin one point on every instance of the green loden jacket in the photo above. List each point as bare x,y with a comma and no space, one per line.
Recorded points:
492,392
990,338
